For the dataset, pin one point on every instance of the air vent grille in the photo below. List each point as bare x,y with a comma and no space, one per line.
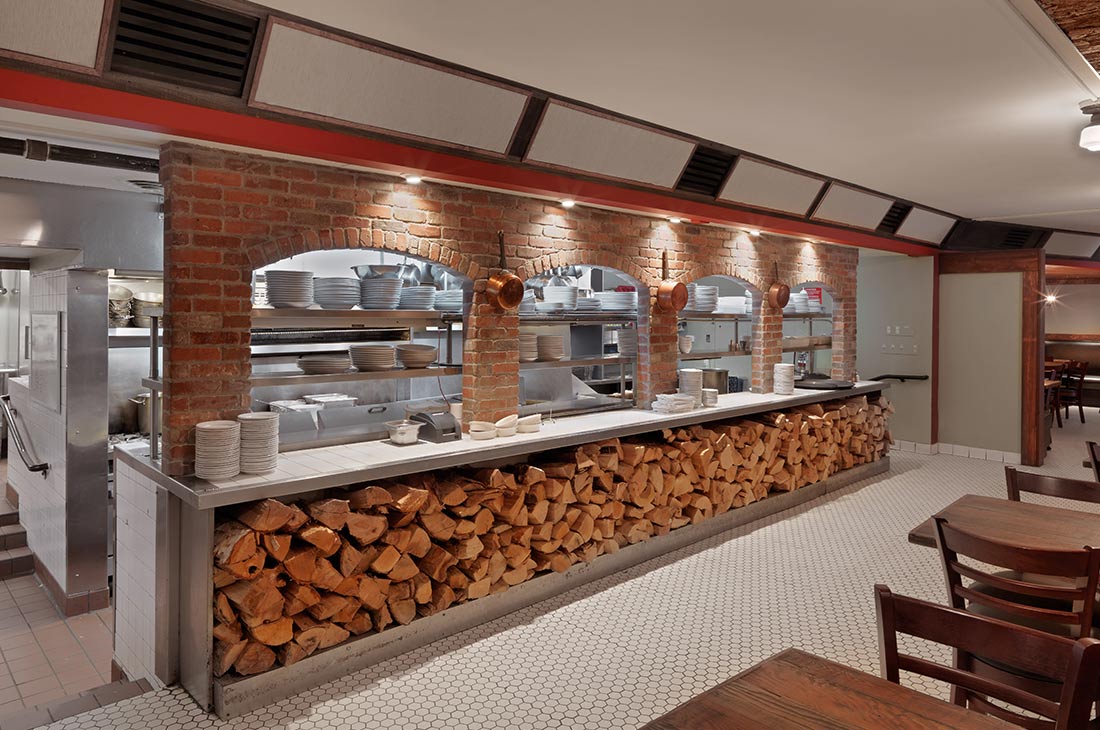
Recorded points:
185,43
1018,238
894,217
706,171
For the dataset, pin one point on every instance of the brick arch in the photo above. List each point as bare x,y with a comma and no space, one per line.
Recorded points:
750,277
831,283
265,253
586,258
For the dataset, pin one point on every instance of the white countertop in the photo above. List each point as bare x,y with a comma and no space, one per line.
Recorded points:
335,466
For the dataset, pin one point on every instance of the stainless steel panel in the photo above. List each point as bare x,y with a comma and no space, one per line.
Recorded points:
166,651
46,358
196,602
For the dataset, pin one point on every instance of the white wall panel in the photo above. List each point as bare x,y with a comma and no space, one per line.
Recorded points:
60,30
581,140
924,225
1072,244
852,207
305,72
767,186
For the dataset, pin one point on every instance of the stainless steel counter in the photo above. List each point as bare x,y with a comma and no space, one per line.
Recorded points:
337,466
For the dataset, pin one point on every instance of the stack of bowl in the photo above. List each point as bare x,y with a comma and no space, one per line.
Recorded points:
551,347
119,303
483,430
336,292
448,301
146,303
324,364
373,357
528,347
416,297
379,293
416,356
507,426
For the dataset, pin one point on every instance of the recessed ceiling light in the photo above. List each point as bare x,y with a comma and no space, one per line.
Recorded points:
413,179
1090,135
568,203
754,233
674,219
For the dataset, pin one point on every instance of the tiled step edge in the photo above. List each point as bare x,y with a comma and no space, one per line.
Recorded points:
15,562
57,710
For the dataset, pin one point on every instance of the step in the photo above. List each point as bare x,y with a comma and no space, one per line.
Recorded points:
57,710
9,515
15,562
12,536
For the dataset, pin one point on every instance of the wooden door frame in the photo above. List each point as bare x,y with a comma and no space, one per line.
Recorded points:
1031,263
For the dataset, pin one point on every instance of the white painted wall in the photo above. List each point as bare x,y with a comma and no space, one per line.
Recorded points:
1077,310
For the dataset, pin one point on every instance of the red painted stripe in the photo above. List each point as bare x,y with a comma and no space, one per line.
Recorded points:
43,94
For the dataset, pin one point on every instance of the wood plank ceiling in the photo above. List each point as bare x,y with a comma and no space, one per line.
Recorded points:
1080,20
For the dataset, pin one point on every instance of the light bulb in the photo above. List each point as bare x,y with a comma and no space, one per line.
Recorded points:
413,179
568,203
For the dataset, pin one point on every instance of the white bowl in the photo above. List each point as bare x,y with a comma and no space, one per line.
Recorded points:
483,435
482,426
529,428
507,422
534,420
503,432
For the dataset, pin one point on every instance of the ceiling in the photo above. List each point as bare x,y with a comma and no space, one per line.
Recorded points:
970,107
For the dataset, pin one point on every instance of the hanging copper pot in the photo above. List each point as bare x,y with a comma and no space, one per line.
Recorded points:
672,296
778,293
505,288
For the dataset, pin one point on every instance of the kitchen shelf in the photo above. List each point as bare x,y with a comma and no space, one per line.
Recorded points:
809,315
380,318
714,355
807,348
130,337
581,362
714,317
573,318
264,379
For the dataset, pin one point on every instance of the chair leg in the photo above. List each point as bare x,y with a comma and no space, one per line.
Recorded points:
1081,412
1058,414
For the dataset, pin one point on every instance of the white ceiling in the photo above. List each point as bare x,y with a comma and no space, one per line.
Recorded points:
960,105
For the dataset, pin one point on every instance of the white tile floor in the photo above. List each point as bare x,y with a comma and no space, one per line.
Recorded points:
619,652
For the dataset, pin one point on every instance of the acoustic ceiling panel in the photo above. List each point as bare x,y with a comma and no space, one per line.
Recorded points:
322,77
580,140
66,31
762,185
924,225
1072,244
852,207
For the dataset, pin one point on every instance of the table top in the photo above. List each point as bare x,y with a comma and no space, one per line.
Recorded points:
1020,523
794,689
1051,383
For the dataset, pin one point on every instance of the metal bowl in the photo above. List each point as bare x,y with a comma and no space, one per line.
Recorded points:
404,432
118,293
383,271
148,296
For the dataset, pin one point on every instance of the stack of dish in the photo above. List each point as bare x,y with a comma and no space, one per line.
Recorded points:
373,357
145,304
324,364
416,297
527,304
691,383
551,347
507,426
337,292
259,442
589,304
686,342
217,449
416,356
448,301
289,289
549,307
798,304
483,430
259,292
119,303
732,305
674,403
618,301
528,347
565,295
331,400
701,298
628,343
783,379
379,293
529,424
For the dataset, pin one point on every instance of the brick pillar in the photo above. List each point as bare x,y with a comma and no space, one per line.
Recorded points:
767,345
844,338
490,360
658,352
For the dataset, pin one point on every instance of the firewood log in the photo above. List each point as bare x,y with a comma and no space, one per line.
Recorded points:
403,610
257,599
373,592
369,497
233,543
359,624
352,561
277,545
439,526
273,633
249,568
254,659
323,538
404,569
436,563
419,541
301,564
226,654
366,529
386,560
325,576
449,492
332,513
267,515
298,597
223,578
328,606
229,633
406,498
223,612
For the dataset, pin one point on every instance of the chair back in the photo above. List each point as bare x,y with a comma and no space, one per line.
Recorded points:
1073,664
1067,601
1094,457
1078,489
1074,378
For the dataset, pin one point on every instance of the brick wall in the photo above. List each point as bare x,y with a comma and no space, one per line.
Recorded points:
229,213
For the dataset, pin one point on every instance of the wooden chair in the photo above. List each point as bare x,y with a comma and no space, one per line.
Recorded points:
1078,489
1055,371
1070,665
1072,392
1094,457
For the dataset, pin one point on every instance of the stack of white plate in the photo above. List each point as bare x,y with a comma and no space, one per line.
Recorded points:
566,295
527,304
800,300
589,304
702,298
337,292
259,442
551,347
549,307
783,379
731,305
618,301
448,301
259,291
289,289
674,403
324,364
416,297
416,356
373,357
379,293
217,449
691,383
528,347
628,343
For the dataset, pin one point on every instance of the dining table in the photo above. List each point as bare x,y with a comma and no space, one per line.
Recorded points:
1025,524
794,689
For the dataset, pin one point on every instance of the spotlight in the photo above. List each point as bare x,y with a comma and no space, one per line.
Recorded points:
1051,298
674,219
754,233
413,179
568,203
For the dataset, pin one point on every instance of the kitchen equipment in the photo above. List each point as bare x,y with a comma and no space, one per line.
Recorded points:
672,296
717,378
505,288
710,397
141,400
404,432
3,289
783,379
437,426
427,276
778,293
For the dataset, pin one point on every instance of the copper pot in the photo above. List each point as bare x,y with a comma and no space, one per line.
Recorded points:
505,288
778,293
672,296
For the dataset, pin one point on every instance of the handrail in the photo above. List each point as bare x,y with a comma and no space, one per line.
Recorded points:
900,378
16,438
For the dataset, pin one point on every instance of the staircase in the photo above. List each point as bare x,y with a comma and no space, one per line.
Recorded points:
15,557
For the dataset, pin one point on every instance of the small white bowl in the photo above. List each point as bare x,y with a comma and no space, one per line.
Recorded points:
482,426
507,422
483,435
529,428
505,432
533,420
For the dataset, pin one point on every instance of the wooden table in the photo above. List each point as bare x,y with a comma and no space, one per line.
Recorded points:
794,689
1051,383
1020,523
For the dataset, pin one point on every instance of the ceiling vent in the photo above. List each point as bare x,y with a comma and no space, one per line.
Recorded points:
706,171
1019,238
990,235
185,43
894,217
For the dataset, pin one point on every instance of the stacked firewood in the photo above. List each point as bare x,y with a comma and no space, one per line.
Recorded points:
291,579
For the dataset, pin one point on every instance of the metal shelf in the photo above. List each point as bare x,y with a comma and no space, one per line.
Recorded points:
396,374
573,318
714,317
714,355
582,362
809,315
807,348
380,318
